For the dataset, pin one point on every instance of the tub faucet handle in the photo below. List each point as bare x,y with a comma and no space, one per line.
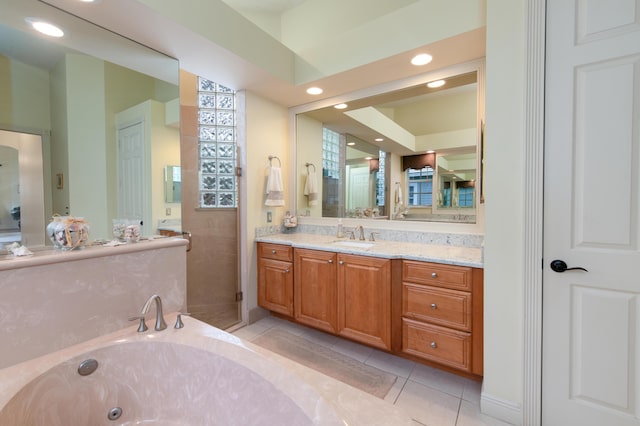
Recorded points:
142,327
179,323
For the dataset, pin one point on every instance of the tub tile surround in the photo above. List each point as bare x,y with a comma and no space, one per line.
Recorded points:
324,400
55,299
453,249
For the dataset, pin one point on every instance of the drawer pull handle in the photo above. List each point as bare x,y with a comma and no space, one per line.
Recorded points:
434,306
273,252
434,275
434,345
330,261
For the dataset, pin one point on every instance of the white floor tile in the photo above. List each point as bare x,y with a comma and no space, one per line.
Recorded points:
470,415
438,379
390,363
319,337
351,349
430,396
395,390
472,391
427,405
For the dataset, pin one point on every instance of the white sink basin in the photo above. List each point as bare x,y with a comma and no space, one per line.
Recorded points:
355,244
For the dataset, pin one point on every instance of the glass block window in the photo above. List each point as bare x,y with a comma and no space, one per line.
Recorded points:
330,153
382,159
217,145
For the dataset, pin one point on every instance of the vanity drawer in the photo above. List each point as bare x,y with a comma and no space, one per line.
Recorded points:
449,308
449,276
437,344
275,251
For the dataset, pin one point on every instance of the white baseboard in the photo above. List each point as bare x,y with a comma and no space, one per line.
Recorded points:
501,409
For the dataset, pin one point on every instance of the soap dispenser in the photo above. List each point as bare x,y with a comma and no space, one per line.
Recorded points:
340,233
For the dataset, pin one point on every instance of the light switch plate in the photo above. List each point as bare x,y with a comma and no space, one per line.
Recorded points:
269,217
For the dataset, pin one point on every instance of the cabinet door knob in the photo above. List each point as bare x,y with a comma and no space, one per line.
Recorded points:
287,270
330,261
434,306
433,345
341,262
434,275
273,252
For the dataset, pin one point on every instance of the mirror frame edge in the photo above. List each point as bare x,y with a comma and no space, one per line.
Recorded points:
477,65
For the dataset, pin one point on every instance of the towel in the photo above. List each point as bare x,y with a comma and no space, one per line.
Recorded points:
275,189
399,195
311,188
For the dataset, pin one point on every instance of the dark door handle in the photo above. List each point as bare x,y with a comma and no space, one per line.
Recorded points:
561,266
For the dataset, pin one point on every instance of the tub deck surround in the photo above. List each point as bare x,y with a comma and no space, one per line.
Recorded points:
296,391
49,255
56,299
439,253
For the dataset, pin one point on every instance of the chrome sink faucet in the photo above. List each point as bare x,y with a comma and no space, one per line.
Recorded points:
360,231
160,323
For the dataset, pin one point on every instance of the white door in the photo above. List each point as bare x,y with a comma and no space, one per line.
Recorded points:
132,184
591,320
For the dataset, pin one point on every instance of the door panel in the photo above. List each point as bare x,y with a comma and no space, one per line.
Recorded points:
591,326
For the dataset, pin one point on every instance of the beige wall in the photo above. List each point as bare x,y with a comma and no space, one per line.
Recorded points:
267,133
504,233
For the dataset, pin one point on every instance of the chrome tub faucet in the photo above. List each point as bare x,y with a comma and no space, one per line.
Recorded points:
160,323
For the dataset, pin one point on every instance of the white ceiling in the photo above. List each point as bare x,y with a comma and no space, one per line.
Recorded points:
148,23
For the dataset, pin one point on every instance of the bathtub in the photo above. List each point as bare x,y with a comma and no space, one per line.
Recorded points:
197,375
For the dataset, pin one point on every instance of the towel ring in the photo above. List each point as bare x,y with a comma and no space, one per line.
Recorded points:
271,157
310,164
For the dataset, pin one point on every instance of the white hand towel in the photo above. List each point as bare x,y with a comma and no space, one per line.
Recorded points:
311,188
275,189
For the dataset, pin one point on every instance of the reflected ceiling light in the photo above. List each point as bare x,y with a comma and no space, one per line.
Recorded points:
340,106
434,84
379,139
45,27
421,59
368,158
314,91
430,151
351,143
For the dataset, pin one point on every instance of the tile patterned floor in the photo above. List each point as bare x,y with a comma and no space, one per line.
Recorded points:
431,397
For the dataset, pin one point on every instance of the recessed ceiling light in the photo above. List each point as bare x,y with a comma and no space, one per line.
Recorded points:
351,143
314,91
340,106
430,151
45,27
437,83
368,158
379,139
421,59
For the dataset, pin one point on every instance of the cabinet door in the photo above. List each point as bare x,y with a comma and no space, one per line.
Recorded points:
275,286
364,299
315,289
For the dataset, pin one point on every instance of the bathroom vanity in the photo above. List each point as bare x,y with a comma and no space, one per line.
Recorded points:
419,301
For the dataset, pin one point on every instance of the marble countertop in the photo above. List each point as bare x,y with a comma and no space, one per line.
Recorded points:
452,255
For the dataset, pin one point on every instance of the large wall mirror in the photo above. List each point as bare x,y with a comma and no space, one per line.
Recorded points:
107,113
406,151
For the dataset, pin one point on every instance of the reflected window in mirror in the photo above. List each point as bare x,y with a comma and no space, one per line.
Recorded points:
420,183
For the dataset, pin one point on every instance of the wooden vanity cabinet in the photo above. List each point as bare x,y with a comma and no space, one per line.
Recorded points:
344,294
275,278
315,289
364,299
442,314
